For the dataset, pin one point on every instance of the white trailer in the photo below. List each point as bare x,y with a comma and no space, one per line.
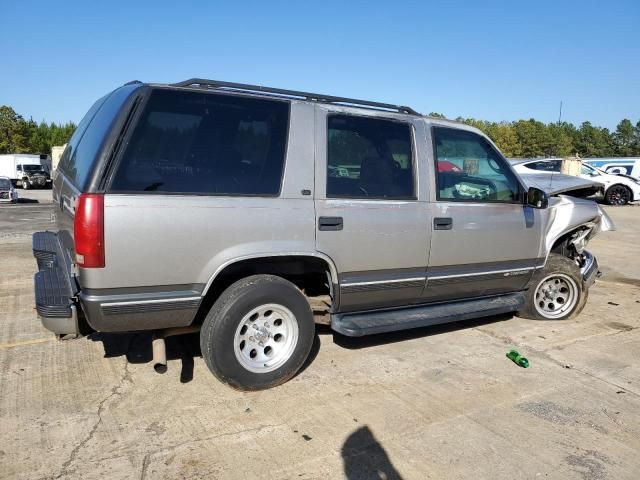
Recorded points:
26,170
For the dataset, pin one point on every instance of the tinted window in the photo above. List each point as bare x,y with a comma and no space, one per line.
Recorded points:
188,142
5,184
545,166
469,169
369,158
85,144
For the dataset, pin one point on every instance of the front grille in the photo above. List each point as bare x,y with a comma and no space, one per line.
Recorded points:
4,195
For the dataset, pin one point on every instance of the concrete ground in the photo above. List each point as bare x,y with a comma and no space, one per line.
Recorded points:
437,403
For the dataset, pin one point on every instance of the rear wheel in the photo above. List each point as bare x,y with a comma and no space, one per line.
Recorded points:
557,291
258,334
618,195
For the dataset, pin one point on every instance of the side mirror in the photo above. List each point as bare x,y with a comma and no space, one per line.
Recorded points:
537,198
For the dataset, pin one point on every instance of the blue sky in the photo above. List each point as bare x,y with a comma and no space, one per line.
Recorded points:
494,60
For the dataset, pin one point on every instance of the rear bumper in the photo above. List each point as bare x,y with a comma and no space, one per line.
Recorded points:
54,286
60,300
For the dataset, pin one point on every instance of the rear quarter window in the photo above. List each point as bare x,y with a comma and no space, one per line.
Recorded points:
204,143
80,156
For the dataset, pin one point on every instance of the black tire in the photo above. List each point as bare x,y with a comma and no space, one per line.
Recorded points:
25,184
567,274
618,195
222,324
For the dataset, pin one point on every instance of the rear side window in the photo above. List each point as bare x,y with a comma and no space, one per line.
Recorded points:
188,142
80,155
369,158
545,166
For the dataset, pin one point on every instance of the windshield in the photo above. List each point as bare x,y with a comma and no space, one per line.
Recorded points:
5,184
589,170
32,168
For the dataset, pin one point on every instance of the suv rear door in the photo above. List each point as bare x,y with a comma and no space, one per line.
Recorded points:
484,241
372,218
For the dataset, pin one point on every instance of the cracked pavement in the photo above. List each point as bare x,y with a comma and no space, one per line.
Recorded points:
440,402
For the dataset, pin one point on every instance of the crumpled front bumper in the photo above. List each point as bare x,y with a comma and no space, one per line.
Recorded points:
590,270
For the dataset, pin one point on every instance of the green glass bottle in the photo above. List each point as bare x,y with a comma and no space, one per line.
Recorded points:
518,359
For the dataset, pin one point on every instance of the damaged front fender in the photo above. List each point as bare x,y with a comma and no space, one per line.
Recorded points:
583,218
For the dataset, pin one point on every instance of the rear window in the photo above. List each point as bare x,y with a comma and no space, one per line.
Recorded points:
78,158
203,143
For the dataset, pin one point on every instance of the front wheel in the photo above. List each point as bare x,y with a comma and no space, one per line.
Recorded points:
25,184
258,334
557,291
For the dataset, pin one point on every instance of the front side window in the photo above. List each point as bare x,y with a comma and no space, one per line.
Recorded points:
369,158
590,171
469,169
192,142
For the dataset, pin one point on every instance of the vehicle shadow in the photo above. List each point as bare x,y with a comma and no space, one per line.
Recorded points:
27,200
364,458
136,347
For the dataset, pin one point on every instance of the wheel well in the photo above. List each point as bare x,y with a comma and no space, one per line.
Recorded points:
563,247
310,274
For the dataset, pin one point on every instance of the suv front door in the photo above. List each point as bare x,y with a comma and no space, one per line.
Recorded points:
371,217
484,241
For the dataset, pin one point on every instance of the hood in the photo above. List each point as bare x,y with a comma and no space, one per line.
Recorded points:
557,183
569,213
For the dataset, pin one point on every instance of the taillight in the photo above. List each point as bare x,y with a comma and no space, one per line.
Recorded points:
88,231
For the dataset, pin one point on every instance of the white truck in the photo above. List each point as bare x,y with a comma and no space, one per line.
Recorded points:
26,170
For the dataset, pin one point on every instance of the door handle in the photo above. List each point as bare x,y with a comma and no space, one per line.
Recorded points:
330,223
442,223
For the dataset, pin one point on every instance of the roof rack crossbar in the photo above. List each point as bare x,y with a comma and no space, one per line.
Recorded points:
316,97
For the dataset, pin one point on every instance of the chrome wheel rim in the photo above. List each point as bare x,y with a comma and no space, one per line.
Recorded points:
266,338
556,295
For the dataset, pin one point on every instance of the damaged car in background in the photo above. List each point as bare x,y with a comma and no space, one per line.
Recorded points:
250,213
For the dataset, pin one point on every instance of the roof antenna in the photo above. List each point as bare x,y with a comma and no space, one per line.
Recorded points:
560,116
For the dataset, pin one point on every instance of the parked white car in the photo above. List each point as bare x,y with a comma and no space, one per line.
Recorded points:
7,192
618,189
629,166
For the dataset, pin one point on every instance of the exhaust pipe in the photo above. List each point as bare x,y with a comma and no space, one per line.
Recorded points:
159,346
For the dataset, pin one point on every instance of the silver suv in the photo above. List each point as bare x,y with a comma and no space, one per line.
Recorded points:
252,213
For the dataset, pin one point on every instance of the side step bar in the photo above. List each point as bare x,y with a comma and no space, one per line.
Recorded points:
368,323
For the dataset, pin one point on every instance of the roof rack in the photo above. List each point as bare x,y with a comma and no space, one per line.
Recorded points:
314,97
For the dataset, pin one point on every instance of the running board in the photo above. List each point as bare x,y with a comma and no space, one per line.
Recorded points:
368,323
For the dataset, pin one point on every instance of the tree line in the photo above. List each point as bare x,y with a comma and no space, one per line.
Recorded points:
18,135
531,138
522,138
